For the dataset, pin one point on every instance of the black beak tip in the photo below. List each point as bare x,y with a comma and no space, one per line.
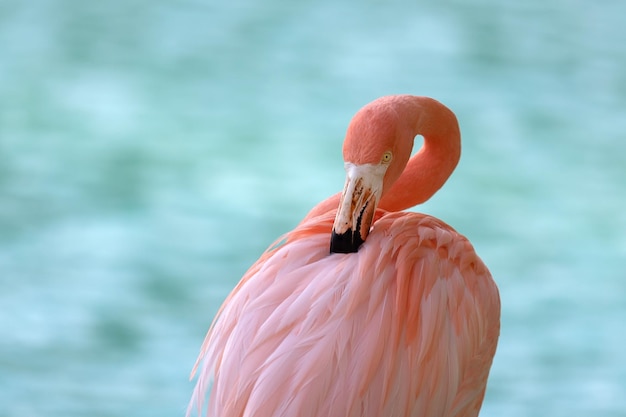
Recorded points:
348,242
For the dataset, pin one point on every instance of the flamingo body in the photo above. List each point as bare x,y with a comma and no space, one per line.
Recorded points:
406,326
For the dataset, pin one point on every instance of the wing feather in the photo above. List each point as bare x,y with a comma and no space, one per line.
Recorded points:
407,326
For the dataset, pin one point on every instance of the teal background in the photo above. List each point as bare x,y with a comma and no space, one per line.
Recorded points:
151,150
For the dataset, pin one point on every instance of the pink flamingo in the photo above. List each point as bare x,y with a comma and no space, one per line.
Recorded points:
399,318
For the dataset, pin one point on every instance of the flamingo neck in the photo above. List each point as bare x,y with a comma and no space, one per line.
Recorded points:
428,169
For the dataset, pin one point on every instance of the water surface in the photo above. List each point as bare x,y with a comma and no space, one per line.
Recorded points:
151,150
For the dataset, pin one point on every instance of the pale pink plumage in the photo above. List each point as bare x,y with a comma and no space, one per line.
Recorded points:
406,326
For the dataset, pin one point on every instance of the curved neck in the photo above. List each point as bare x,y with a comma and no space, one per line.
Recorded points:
428,169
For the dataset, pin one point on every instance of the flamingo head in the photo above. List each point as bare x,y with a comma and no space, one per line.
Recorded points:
375,151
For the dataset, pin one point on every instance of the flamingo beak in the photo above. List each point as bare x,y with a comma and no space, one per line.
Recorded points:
357,206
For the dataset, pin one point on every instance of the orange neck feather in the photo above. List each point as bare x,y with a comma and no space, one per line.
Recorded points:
427,170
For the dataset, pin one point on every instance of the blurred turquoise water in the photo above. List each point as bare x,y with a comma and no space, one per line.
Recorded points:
151,150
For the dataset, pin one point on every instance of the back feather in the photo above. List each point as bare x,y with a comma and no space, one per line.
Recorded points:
407,326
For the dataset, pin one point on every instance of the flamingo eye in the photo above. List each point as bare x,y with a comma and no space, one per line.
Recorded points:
386,157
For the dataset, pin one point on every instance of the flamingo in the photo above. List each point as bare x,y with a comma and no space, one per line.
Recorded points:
397,316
